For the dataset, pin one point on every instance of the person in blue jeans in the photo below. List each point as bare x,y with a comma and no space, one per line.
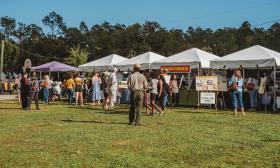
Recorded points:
46,86
162,93
236,89
252,88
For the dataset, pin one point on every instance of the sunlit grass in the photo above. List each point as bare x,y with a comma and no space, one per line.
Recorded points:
64,136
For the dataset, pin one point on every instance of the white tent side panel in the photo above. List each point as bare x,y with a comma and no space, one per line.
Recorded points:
217,64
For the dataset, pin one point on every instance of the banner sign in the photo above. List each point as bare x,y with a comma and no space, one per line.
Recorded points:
207,98
211,83
222,84
177,68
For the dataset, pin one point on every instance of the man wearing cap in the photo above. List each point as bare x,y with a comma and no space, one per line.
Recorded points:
137,84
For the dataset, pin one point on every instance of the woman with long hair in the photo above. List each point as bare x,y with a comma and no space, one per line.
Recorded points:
96,96
236,89
79,90
46,86
153,86
173,84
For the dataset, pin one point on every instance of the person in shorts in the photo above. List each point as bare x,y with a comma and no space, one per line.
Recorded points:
79,90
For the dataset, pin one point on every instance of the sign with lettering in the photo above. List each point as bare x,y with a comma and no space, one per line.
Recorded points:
207,98
211,83
177,68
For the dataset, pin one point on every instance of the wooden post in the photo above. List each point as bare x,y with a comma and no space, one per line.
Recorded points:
2,57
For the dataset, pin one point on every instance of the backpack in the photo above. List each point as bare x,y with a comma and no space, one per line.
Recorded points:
251,85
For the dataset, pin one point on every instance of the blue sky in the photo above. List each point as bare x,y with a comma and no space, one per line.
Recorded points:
169,13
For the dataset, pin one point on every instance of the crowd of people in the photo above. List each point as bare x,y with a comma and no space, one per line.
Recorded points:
96,88
101,89
153,89
258,86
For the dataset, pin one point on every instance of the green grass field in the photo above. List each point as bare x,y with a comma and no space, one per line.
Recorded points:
65,136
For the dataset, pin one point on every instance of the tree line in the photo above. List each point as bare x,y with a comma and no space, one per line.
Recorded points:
78,45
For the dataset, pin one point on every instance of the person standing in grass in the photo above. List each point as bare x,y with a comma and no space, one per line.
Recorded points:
34,92
147,93
25,87
153,85
96,95
69,85
106,92
51,89
236,89
46,86
113,87
162,95
252,87
137,84
173,84
56,89
79,90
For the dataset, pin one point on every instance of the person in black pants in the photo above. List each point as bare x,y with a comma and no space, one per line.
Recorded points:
25,87
34,92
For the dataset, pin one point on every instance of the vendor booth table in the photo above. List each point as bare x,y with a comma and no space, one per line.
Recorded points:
257,58
198,60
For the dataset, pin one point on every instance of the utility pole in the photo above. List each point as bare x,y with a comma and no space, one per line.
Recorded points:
2,56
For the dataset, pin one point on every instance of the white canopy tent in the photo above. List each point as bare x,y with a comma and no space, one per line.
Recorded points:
144,60
252,57
194,57
104,63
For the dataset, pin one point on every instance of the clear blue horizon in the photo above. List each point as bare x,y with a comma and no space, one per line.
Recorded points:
170,14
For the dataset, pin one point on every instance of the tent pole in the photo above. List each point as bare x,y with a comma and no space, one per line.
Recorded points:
274,88
243,73
198,73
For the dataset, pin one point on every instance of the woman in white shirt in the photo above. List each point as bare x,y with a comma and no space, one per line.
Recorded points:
153,85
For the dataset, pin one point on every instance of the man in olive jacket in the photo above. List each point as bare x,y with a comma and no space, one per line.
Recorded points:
137,84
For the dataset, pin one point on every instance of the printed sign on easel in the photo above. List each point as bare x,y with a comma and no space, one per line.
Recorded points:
207,98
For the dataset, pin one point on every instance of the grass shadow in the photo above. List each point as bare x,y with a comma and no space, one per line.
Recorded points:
95,122
114,112
11,108
204,112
